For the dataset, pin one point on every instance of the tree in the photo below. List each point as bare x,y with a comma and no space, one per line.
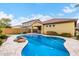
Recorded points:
77,5
5,22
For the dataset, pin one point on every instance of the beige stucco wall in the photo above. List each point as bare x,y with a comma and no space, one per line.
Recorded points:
67,27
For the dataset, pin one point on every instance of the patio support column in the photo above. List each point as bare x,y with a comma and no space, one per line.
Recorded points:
31,29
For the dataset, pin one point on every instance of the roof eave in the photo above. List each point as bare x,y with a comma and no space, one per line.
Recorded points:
61,22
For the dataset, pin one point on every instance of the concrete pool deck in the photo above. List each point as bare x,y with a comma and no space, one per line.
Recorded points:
72,46
11,48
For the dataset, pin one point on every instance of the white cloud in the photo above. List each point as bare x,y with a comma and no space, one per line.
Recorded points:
5,15
77,21
69,9
72,5
60,14
20,20
41,17
76,17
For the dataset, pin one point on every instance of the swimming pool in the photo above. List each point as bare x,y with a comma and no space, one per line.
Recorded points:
39,45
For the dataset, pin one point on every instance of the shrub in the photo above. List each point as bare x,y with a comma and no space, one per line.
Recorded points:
0,31
66,35
3,36
1,43
24,32
2,39
28,31
51,33
77,37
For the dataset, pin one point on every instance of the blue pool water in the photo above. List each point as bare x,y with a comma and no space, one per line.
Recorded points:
39,45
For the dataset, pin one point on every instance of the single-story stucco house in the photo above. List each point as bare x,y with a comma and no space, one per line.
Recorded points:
58,25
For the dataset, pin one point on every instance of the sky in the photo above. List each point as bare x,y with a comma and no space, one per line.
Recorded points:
22,12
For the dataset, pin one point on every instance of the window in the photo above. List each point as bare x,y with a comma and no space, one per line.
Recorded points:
46,25
53,25
50,25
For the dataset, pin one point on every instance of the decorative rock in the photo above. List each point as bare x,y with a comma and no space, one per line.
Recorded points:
20,40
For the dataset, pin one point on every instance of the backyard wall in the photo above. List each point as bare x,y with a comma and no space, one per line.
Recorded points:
13,30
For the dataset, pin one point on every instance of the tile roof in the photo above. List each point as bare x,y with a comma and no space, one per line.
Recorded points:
28,21
58,20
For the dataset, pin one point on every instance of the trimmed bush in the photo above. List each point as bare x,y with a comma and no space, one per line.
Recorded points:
0,31
1,43
77,37
24,32
3,37
51,33
66,35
